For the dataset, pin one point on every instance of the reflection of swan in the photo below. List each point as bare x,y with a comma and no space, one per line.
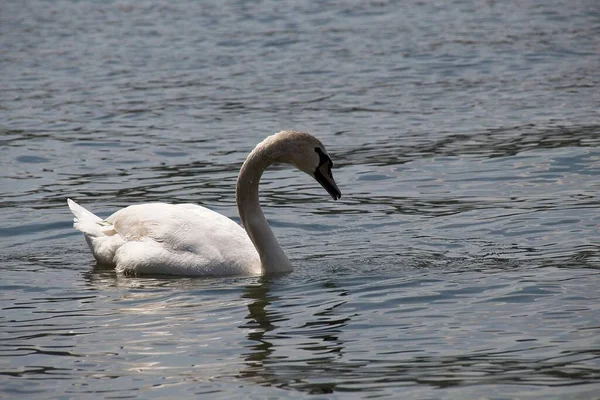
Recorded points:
187,239
305,352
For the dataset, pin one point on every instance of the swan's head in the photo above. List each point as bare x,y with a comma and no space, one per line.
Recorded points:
308,154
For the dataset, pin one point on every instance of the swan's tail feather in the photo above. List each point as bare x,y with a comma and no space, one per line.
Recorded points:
89,223
82,213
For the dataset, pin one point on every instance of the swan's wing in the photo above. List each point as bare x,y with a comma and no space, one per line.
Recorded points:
188,238
181,226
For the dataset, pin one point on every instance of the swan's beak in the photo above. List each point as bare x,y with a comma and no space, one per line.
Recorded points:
325,178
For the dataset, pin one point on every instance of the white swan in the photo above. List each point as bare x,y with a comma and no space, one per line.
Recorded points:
188,239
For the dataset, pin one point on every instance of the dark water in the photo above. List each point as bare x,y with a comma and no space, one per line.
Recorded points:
461,262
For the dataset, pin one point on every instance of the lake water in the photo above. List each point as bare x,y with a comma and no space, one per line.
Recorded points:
461,262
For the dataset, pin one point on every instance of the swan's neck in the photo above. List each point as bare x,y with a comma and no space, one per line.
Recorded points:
272,257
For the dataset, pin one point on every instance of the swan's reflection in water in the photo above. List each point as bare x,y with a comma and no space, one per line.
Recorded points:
292,349
259,322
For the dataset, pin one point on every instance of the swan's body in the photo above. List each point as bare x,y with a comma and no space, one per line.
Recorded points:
161,238
188,239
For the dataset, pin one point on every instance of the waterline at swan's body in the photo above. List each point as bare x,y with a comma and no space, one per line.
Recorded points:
188,239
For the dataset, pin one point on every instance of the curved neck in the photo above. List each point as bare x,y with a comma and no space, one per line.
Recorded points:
272,257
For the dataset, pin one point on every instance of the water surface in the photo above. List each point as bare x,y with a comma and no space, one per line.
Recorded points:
461,262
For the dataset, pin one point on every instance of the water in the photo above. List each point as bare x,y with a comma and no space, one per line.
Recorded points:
461,262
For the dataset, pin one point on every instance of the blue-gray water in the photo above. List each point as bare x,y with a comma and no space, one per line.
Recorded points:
461,262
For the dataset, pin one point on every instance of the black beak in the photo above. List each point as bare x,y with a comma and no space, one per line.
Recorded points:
325,178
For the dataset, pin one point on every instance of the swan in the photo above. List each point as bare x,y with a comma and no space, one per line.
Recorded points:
188,239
